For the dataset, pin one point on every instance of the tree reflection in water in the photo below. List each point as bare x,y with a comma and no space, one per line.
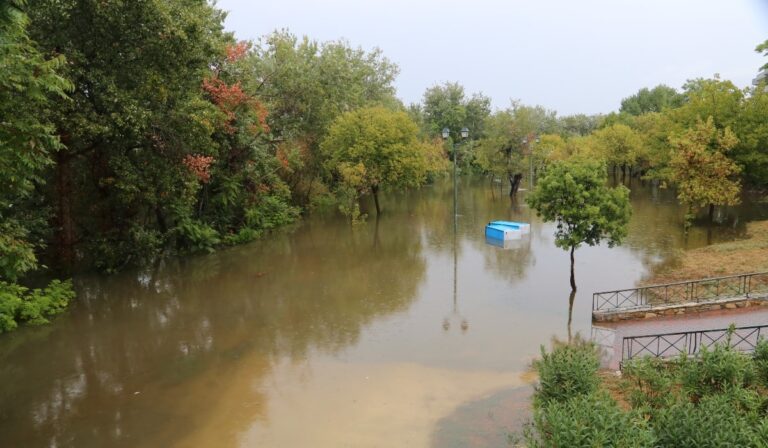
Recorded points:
147,356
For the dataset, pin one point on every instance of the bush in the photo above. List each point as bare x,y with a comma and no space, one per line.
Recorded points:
242,236
717,370
114,250
651,382
568,371
272,212
760,360
714,422
588,420
20,304
194,236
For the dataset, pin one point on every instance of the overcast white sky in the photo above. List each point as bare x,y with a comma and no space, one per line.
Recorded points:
568,55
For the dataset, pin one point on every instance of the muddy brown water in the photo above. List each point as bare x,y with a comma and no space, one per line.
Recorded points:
393,333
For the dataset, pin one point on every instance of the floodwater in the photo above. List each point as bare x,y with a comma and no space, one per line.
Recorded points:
396,332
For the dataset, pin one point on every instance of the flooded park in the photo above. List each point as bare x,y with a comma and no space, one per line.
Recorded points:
401,331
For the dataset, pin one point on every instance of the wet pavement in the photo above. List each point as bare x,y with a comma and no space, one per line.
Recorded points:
610,335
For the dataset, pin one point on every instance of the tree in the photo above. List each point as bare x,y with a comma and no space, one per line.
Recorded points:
701,169
652,100
510,139
579,124
446,106
121,190
619,145
574,195
307,84
704,98
28,83
751,153
375,147
763,48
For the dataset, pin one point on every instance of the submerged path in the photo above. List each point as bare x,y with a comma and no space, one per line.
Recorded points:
708,320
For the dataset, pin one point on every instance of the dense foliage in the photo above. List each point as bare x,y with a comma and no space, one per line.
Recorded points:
575,195
29,83
715,400
122,143
375,147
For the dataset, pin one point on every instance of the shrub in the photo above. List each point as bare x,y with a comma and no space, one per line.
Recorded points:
714,422
272,211
114,250
194,236
20,304
651,382
242,236
760,360
568,371
717,370
588,420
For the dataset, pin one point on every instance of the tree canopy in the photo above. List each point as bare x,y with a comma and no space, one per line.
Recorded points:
375,147
574,195
703,173
652,100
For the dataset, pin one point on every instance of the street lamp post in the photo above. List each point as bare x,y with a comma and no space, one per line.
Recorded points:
464,134
446,322
530,160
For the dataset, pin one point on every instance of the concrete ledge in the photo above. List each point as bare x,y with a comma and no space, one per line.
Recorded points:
649,312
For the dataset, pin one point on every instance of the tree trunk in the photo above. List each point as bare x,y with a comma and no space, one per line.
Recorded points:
711,212
571,297
573,276
514,183
65,234
375,191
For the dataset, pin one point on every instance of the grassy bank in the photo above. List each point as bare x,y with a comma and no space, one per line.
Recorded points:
749,254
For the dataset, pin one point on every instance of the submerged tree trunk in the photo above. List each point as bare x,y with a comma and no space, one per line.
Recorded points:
573,276
514,183
711,212
375,192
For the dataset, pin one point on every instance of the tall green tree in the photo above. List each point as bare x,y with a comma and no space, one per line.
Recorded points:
620,146
704,98
652,100
579,124
763,48
305,85
751,153
510,141
121,188
373,148
447,106
574,195
29,81
704,175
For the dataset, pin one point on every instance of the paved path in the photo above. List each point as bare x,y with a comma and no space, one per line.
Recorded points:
709,320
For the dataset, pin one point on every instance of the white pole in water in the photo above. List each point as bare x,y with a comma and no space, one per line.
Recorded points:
464,134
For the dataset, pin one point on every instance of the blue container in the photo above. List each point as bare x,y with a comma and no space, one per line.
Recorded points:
522,226
503,233
503,244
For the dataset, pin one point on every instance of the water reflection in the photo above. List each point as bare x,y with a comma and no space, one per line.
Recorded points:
251,346
144,356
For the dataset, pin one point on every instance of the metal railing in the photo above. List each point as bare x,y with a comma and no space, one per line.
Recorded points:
705,290
670,345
